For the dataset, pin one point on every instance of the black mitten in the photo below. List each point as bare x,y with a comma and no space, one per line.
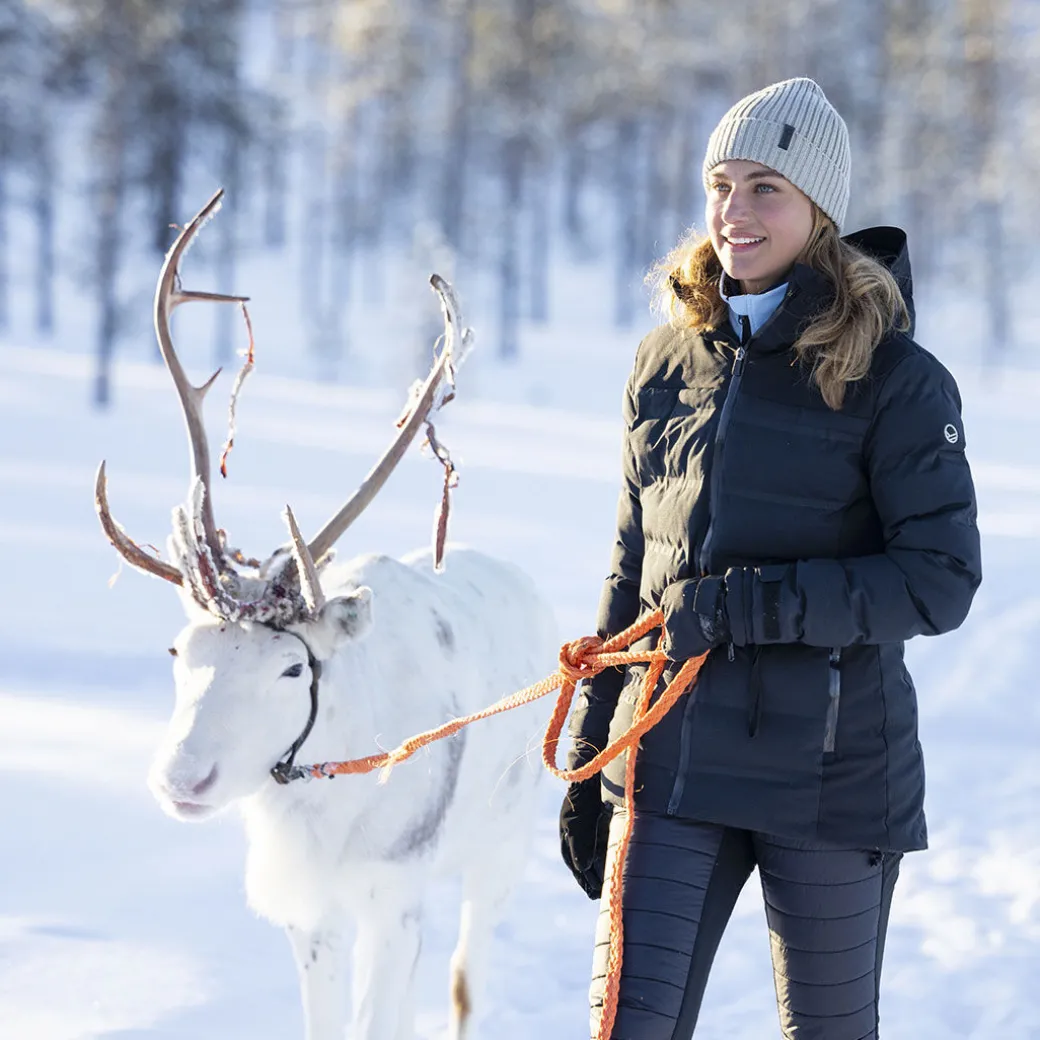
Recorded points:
695,619
584,824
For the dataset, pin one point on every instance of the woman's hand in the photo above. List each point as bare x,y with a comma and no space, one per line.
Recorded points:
695,619
584,824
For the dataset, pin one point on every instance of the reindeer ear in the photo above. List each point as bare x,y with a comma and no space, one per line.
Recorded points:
348,617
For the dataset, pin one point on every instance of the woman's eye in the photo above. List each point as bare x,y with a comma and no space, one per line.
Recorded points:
719,187
294,671
765,187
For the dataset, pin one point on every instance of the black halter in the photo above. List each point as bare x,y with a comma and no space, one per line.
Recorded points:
284,771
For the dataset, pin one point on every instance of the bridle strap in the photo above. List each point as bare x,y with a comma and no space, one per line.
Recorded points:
283,770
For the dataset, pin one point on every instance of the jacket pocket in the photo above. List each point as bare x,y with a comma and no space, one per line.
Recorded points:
834,699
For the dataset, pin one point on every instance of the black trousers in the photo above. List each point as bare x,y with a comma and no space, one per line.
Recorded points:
826,907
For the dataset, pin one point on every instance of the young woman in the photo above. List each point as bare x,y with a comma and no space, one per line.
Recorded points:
797,501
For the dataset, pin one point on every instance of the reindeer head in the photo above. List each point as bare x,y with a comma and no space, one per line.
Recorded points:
258,631
244,691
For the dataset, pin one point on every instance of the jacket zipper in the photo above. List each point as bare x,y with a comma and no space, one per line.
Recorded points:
834,702
716,476
720,438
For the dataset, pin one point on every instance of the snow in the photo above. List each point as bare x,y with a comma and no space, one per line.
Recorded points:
118,922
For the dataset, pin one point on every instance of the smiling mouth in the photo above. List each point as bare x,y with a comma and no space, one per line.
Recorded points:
741,243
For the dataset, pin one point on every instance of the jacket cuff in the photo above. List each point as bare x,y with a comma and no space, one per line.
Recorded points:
753,603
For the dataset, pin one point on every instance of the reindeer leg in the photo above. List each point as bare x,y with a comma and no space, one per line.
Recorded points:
321,964
485,890
386,951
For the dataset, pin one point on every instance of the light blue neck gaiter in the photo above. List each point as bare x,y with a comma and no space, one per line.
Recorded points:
758,307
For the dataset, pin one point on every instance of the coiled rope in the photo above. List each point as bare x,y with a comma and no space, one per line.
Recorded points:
581,659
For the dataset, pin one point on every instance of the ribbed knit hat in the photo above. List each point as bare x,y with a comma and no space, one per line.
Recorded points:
792,128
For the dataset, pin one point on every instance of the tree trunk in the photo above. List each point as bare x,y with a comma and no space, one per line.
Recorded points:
43,210
275,180
982,49
227,251
539,244
167,166
508,264
869,75
315,218
997,333
575,171
112,193
398,167
275,144
687,173
5,287
340,288
456,155
654,199
626,214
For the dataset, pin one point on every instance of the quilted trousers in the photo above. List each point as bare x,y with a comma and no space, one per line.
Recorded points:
826,908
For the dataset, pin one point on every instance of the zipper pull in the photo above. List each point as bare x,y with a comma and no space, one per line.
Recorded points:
745,329
730,653
738,361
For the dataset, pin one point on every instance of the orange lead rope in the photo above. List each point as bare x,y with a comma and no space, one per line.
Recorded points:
642,721
579,660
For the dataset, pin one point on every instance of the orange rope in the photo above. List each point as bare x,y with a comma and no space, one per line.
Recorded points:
579,660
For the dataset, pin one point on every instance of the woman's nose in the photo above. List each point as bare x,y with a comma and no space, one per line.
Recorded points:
734,207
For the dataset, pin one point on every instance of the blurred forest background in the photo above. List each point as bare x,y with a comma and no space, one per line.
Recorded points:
499,137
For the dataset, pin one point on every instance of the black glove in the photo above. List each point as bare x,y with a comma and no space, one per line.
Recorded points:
695,617
584,824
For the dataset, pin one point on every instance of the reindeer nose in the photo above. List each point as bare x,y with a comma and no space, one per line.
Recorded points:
206,782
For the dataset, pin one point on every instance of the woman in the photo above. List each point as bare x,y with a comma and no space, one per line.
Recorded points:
797,502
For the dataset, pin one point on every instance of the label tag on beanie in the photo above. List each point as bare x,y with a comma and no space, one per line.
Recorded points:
785,137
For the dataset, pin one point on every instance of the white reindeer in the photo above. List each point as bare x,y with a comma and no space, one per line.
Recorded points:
338,667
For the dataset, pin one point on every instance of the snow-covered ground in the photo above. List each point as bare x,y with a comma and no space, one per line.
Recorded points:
118,922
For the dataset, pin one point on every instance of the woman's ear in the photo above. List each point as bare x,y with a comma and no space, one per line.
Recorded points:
343,619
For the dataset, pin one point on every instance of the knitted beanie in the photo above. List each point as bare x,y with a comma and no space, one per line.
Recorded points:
792,128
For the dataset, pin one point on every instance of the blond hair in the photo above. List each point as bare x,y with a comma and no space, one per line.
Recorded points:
839,343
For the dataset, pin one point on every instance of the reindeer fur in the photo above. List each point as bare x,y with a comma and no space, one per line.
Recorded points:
402,650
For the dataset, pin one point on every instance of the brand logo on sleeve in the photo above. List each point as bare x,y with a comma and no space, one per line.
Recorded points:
951,434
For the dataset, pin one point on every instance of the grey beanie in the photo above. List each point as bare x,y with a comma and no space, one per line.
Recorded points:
792,128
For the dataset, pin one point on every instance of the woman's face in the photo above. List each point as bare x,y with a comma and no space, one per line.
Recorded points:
758,221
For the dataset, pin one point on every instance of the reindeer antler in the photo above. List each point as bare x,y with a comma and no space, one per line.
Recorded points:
428,398
126,546
286,588
168,296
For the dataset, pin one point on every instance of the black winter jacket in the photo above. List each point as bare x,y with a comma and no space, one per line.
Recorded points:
839,534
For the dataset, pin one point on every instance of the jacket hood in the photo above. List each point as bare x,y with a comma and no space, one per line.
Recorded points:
888,245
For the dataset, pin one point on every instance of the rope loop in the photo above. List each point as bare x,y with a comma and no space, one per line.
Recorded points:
575,663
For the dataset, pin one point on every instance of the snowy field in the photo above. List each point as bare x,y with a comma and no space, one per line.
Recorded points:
118,922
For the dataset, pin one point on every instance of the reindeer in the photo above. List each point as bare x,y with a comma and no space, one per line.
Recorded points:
339,661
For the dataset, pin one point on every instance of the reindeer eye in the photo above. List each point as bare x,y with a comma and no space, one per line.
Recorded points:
294,671
172,651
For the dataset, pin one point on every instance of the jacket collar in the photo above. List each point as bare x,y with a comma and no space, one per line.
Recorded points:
809,292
